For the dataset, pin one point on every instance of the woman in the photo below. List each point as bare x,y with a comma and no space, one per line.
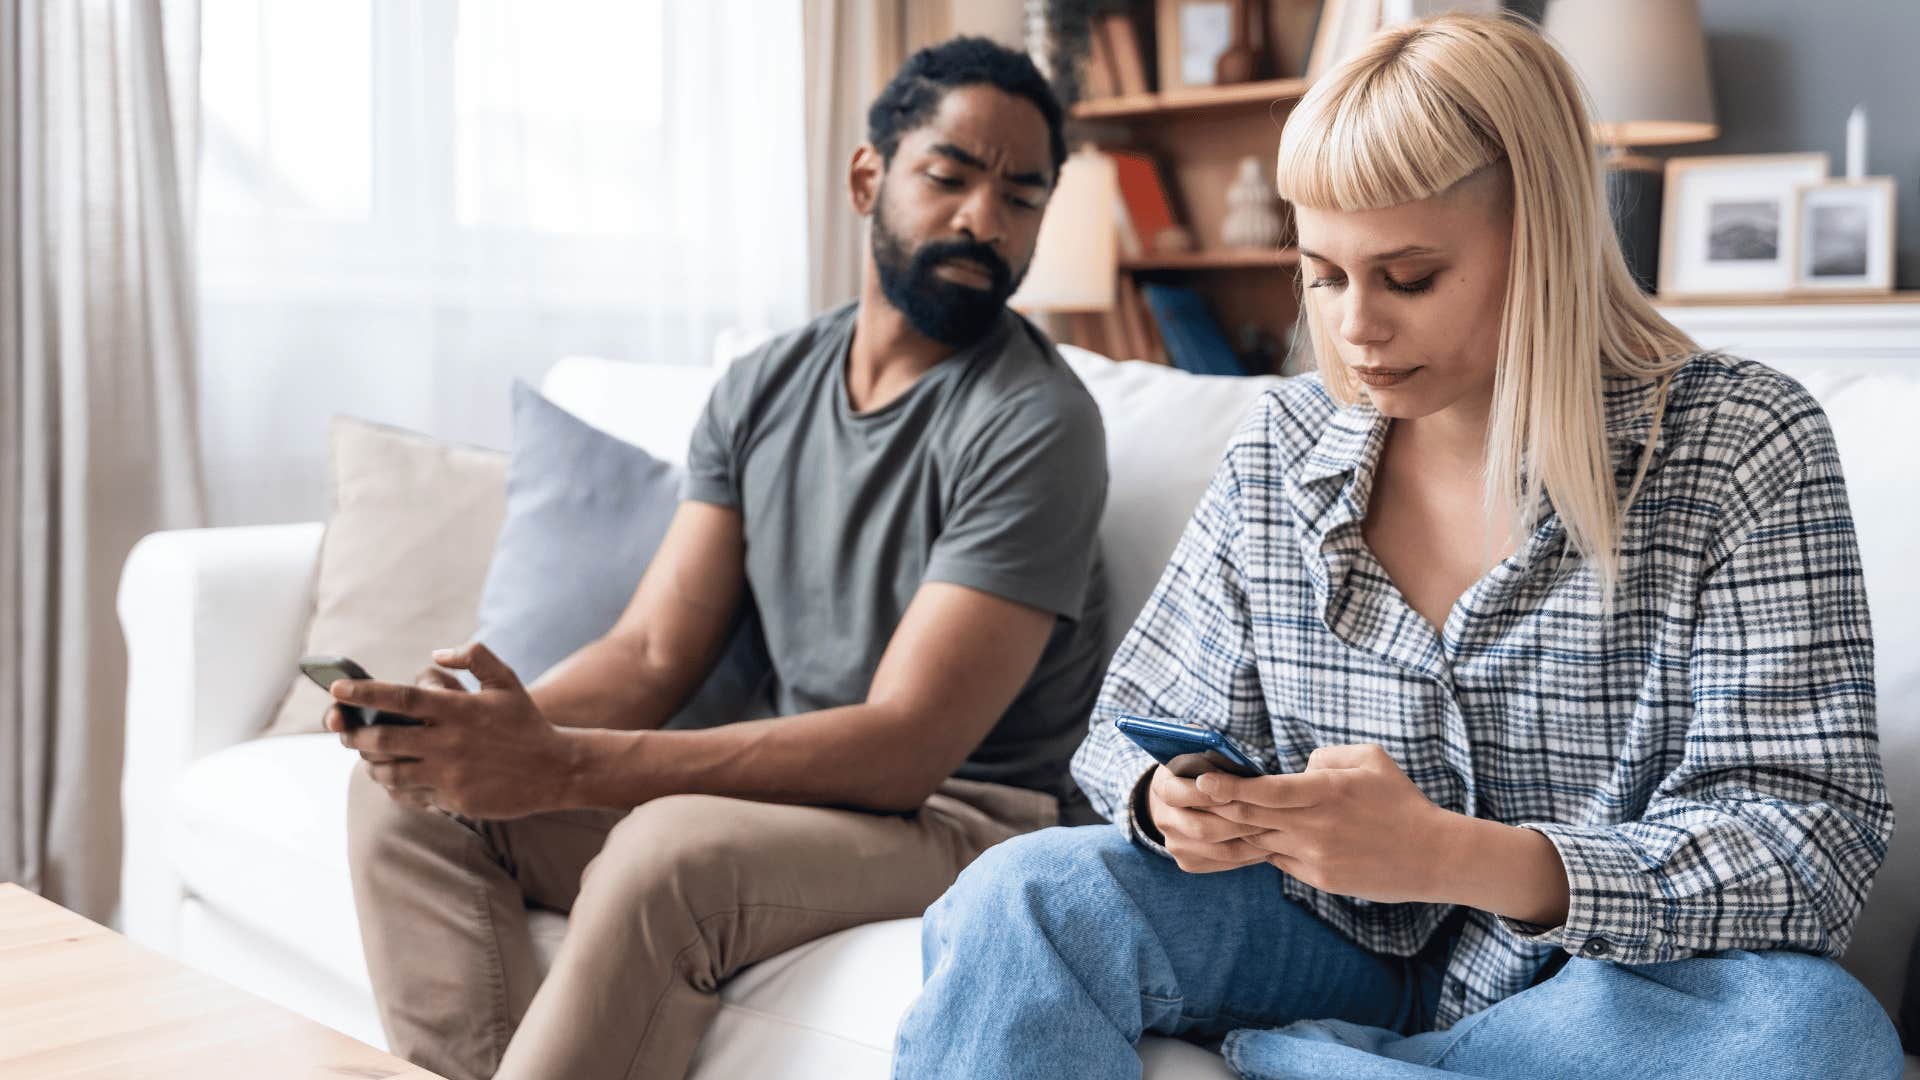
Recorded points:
1548,627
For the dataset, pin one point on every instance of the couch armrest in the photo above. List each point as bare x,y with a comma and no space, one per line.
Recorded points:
213,620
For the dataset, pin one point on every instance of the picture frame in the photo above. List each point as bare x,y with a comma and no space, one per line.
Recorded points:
1190,36
1727,224
1843,237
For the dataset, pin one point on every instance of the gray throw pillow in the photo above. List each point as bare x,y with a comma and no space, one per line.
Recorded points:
585,513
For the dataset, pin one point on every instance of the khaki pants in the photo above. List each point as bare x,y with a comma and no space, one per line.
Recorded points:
665,902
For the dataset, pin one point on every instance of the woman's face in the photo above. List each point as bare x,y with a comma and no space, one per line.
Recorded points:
1412,294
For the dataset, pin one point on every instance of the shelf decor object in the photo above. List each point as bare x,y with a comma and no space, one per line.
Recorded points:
1727,223
1253,215
1644,63
1842,241
1192,37
1246,57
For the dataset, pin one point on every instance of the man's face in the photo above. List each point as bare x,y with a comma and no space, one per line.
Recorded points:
959,210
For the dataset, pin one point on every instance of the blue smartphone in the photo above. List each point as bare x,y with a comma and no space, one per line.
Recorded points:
1188,749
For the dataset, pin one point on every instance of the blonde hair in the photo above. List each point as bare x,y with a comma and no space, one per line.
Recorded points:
1422,107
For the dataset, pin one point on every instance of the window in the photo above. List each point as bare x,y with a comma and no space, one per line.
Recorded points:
406,204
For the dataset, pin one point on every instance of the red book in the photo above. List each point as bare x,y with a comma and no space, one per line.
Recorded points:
1146,197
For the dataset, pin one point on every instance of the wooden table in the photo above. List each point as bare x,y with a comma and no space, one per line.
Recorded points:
78,1000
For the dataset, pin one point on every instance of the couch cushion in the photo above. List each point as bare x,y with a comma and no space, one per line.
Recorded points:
259,834
410,526
1166,432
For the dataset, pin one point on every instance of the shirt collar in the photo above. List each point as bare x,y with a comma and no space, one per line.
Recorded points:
1350,442
1330,489
1630,403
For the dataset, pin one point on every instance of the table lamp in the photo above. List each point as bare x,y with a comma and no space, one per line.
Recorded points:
1075,258
1644,63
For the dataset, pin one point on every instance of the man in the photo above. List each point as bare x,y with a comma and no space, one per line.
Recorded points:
909,490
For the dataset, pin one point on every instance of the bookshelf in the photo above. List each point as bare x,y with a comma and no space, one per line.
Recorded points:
1236,97
1197,136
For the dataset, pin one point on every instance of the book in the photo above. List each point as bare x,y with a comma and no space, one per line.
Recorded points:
1128,237
1097,75
1148,207
1142,342
1193,337
1123,49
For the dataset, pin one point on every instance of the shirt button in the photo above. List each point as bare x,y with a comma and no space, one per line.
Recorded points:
1596,948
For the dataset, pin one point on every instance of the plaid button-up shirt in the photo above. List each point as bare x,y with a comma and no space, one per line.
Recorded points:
1705,761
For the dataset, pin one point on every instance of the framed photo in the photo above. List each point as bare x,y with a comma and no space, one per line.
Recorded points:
1844,238
1727,224
1191,35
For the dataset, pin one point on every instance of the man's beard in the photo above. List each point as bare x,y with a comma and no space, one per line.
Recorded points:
945,311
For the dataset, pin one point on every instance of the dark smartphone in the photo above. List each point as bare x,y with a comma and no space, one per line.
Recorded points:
1188,749
325,670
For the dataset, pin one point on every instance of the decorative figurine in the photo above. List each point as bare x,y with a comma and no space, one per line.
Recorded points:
1253,219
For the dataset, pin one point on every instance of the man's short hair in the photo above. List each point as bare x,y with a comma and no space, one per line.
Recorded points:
915,92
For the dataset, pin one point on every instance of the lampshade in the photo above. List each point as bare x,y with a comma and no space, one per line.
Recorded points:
1074,259
1644,63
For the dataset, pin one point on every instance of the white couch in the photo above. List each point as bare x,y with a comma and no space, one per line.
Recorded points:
236,850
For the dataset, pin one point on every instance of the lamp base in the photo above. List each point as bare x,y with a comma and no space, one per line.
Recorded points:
1633,198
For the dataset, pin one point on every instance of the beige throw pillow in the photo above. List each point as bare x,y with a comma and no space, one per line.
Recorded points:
411,524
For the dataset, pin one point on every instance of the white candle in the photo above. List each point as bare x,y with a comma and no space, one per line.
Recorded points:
1857,143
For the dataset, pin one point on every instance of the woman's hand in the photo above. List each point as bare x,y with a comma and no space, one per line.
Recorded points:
1199,842
1352,824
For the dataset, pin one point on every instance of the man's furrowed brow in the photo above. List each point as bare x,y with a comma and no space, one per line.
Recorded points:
1025,179
948,150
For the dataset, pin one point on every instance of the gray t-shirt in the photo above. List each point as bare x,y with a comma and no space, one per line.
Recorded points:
990,472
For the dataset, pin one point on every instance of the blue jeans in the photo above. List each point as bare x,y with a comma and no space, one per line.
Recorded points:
1054,952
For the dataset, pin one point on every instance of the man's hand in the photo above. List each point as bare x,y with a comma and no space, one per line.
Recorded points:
335,720
489,755
1199,841
1352,824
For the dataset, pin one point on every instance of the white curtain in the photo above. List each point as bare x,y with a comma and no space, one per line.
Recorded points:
405,205
96,401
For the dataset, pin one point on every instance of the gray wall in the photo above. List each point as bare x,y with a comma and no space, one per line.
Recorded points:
1787,72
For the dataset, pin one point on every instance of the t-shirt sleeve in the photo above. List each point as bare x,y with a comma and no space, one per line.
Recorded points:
1025,519
713,455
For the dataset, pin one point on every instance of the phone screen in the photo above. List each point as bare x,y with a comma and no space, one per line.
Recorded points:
326,673
327,670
